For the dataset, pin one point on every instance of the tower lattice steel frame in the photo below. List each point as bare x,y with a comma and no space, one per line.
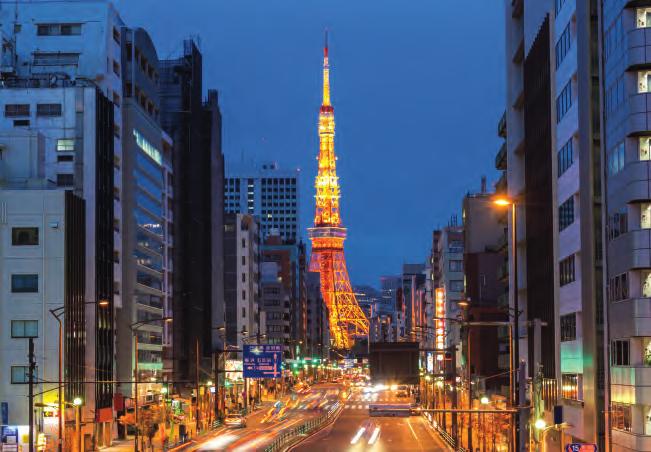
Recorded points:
346,319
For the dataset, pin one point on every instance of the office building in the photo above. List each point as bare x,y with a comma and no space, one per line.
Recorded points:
318,331
291,259
275,303
270,193
241,278
194,125
61,76
625,137
147,226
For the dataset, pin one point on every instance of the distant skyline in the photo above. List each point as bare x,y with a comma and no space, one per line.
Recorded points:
418,89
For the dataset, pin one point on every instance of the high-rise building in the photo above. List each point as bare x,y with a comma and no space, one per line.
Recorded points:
626,139
270,193
241,278
198,167
56,85
147,226
318,333
413,284
553,155
275,302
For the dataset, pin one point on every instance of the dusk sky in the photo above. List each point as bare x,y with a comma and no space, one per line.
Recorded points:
418,89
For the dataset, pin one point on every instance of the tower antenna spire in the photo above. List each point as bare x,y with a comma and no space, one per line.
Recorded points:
326,72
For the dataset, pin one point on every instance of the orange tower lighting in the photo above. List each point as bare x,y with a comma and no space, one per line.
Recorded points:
346,319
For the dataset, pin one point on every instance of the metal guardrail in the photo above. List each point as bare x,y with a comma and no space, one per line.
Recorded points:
287,438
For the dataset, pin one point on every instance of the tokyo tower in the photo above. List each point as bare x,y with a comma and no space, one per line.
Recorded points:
346,319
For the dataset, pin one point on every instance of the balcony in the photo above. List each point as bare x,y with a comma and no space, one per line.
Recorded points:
501,126
501,184
631,317
500,158
631,384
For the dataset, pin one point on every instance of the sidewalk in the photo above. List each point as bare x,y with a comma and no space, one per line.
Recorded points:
124,445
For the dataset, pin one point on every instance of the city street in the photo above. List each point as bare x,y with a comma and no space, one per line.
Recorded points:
265,425
395,433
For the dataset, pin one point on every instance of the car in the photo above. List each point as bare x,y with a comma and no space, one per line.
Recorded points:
235,420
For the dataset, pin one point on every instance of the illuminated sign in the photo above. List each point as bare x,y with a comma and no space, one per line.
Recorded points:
147,147
233,369
439,324
430,362
578,447
263,361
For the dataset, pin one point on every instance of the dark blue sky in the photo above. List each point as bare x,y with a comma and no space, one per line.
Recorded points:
418,89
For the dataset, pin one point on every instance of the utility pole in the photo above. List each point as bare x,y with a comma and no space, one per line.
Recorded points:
32,369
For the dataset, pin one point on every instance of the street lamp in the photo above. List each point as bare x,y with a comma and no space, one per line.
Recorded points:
515,360
57,313
134,329
77,402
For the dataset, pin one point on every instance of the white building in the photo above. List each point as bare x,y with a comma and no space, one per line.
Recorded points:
268,192
61,76
41,256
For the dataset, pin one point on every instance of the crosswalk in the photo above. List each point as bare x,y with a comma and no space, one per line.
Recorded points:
353,406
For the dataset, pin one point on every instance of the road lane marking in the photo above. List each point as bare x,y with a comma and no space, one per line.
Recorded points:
412,431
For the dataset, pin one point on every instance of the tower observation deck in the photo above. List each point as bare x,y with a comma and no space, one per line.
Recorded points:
346,319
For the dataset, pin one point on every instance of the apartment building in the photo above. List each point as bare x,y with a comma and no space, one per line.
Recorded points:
241,278
553,172
625,135
270,193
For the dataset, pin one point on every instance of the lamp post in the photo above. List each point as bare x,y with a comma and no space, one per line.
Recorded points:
57,313
134,330
77,402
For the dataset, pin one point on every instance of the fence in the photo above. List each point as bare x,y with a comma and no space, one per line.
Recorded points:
285,439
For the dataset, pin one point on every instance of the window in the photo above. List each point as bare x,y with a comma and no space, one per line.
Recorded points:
565,157
456,266
645,215
24,283
615,96
274,315
617,225
614,36
646,284
65,144
21,122
645,148
618,287
24,236
616,159
456,286
65,158
621,416
244,295
58,29
559,5
20,374
243,260
55,59
566,272
571,387
621,353
563,45
643,18
116,68
566,213
116,35
65,180
15,110
568,327
24,328
564,101
243,312
643,81
243,277
48,109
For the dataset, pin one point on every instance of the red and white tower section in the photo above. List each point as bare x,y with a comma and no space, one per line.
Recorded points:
347,321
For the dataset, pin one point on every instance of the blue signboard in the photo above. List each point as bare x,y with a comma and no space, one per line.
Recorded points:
262,361
576,447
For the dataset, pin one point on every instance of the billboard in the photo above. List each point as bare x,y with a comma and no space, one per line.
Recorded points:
394,362
262,361
233,368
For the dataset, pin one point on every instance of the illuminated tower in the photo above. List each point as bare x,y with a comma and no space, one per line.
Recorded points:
328,234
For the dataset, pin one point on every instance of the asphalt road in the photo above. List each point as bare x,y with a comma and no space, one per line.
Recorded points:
398,434
264,425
